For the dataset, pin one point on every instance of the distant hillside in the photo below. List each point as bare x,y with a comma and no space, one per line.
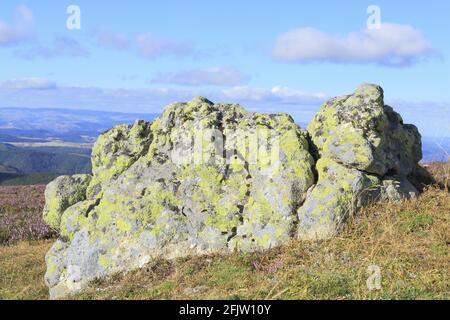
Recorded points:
25,125
36,145
37,160
436,149
7,179
8,169
11,138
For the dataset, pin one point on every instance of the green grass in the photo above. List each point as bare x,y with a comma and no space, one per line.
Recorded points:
415,221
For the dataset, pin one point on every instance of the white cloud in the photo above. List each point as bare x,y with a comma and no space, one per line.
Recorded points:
20,30
113,40
431,117
151,46
62,47
392,45
28,84
43,93
278,94
216,76
144,44
37,93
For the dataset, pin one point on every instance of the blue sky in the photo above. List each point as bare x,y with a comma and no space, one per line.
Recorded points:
271,56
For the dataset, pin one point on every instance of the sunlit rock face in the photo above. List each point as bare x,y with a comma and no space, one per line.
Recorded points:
365,153
208,177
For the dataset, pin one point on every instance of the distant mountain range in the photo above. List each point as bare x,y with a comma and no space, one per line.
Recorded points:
64,160
24,165
38,125
38,144
436,149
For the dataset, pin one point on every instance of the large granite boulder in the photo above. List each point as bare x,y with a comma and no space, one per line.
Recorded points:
208,177
201,178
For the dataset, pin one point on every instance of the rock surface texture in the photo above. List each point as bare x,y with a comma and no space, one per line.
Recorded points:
210,177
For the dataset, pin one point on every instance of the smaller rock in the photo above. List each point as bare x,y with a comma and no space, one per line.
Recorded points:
421,178
397,188
361,132
61,194
339,192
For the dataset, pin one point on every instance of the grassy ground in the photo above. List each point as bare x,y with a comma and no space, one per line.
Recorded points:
21,270
408,242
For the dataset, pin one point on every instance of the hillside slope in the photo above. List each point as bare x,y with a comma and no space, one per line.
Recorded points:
8,170
37,160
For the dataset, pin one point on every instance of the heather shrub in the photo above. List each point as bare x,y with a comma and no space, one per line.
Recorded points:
21,214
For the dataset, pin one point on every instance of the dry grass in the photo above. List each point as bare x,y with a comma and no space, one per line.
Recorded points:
441,173
22,268
408,241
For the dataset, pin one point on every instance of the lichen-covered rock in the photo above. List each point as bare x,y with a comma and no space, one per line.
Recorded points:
201,178
208,177
338,194
360,132
361,142
115,151
397,188
421,178
61,194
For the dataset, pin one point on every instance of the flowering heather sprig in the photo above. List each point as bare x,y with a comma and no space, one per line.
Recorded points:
22,197
21,214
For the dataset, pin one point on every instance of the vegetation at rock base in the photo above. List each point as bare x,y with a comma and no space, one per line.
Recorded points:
21,214
409,241
21,270
441,173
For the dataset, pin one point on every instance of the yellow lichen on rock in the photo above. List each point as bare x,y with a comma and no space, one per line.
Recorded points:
208,177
